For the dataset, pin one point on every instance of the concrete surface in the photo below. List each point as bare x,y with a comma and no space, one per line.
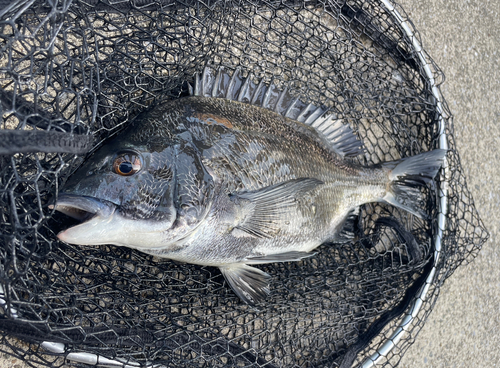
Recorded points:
463,37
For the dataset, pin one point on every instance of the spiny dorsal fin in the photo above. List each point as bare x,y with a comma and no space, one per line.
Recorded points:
220,83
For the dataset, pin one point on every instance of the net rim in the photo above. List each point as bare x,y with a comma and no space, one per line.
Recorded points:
413,310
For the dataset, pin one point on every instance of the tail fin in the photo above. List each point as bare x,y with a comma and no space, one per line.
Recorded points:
407,175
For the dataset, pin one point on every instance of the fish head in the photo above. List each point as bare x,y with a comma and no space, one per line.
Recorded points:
138,194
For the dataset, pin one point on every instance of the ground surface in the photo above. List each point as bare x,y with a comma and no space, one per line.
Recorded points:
463,37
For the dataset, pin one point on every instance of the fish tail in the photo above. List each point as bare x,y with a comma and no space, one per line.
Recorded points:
406,177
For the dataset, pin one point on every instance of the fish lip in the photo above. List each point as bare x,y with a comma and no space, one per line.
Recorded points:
83,208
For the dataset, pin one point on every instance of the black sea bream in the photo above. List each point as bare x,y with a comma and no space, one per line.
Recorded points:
237,175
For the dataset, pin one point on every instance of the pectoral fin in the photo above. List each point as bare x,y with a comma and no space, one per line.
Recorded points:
265,208
249,283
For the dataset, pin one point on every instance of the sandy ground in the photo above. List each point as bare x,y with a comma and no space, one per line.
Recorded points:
463,37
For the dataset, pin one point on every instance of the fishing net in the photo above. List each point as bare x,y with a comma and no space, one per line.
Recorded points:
73,73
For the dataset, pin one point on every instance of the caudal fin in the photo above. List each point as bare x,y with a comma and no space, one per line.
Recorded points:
408,175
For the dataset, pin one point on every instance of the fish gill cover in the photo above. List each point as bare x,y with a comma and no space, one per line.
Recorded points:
73,73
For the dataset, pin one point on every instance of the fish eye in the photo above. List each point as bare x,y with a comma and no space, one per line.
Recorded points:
127,164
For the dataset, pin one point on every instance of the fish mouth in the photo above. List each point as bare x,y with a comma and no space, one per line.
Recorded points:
83,208
93,213
102,223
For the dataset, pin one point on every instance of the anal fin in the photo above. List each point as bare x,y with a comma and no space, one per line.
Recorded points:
249,283
346,233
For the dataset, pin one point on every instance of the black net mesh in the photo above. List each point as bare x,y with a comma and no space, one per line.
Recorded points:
74,69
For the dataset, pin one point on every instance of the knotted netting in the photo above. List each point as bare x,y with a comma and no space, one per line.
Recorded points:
73,73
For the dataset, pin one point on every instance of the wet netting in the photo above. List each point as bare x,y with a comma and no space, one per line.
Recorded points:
73,73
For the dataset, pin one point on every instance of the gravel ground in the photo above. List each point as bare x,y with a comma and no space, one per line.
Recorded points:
463,38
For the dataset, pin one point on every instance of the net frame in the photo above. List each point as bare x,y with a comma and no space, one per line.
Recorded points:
414,310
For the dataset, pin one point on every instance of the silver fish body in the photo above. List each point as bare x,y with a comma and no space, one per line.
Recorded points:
214,181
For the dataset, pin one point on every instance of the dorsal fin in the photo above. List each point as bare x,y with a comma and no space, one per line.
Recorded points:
220,83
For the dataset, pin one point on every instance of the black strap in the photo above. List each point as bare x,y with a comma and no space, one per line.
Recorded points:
23,141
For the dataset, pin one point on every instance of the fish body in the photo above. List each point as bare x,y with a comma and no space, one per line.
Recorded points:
220,182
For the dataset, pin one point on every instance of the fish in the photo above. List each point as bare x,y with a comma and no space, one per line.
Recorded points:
238,174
